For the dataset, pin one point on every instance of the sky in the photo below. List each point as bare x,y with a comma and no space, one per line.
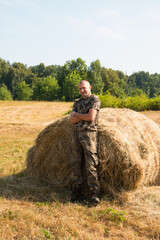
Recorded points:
123,34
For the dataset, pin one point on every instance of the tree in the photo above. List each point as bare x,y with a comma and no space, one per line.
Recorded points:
5,94
46,89
94,76
154,84
79,66
22,91
19,73
4,69
52,70
39,70
142,80
70,87
113,83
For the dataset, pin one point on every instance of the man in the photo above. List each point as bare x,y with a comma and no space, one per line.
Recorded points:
84,143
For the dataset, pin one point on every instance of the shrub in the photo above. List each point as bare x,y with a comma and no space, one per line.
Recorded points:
154,103
23,91
5,94
109,101
137,103
46,89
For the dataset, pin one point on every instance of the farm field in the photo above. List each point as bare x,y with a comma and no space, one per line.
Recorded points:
30,211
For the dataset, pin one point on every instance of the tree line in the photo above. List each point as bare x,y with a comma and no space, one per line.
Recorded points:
55,82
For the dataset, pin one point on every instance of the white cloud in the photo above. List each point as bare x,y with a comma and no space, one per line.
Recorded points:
22,3
89,28
151,17
7,2
72,22
106,13
108,33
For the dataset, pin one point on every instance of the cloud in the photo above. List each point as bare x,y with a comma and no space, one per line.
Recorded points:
108,33
19,3
152,16
90,29
7,2
107,13
28,6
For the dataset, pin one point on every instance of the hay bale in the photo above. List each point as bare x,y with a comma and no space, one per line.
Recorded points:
48,160
128,151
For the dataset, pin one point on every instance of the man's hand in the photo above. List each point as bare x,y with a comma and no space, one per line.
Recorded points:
73,113
73,118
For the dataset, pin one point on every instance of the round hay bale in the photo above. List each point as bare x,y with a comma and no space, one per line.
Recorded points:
48,160
128,149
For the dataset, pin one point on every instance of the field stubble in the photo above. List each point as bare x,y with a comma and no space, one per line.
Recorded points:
29,211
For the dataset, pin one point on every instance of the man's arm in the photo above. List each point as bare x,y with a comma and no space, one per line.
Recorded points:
73,118
90,116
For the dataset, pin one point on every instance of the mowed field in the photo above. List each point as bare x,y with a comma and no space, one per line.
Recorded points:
35,211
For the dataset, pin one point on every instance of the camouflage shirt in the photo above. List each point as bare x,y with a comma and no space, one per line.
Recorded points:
82,106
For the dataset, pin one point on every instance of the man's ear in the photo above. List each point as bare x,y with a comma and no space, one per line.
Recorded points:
90,87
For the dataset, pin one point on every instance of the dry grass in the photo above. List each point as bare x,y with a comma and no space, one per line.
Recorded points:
29,211
31,112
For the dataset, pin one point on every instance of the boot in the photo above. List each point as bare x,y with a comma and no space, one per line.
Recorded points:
95,200
95,197
76,193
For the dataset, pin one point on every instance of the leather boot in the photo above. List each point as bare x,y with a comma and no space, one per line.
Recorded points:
95,197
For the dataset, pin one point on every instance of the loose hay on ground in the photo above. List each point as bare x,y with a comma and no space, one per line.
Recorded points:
128,150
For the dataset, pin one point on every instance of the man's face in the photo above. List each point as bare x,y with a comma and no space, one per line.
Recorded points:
84,89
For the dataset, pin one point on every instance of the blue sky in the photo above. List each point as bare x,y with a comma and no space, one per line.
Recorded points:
123,34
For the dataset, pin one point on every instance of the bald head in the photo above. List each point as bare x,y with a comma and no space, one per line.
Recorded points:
85,88
86,82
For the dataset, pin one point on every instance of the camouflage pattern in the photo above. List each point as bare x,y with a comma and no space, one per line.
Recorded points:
84,145
83,105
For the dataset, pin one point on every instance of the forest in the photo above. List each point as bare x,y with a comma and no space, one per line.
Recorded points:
59,83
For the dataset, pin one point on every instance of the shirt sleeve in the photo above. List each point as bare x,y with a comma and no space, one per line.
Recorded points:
74,107
95,103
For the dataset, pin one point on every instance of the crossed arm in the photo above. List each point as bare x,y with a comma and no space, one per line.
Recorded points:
76,117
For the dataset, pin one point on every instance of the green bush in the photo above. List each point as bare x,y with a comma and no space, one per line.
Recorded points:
5,94
46,89
23,91
137,103
154,103
109,101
